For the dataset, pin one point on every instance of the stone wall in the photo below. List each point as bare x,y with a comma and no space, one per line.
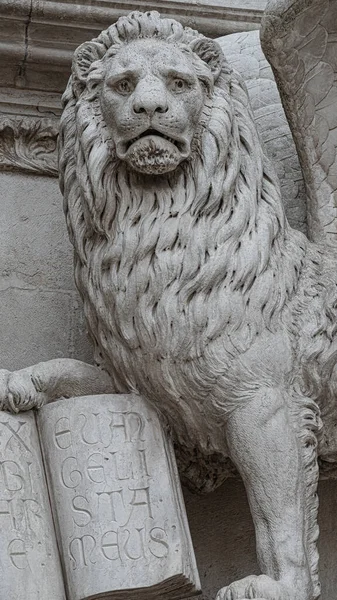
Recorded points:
40,315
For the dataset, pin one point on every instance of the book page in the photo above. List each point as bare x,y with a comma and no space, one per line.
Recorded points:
29,561
114,494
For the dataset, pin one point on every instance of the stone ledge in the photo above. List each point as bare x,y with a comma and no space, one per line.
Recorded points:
38,37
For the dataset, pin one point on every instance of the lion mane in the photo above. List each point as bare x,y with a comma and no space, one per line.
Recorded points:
179,279
213,211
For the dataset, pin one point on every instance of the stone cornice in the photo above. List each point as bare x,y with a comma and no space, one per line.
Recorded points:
37,41
38,37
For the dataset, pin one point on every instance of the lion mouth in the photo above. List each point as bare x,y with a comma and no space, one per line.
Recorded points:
124,147
153,132
153,152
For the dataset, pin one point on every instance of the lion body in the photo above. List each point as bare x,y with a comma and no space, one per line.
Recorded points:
185,339
196,291
188,278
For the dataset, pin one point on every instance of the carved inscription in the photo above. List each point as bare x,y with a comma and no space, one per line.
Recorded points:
20,504
117,477
28,545
111,489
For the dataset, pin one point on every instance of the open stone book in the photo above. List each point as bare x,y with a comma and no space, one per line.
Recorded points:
116,500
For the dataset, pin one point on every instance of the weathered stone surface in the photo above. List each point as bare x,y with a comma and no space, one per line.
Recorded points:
41,313
243,52
196,290
223,536
29,145
30,568
117,500
203,273
37,41
38,37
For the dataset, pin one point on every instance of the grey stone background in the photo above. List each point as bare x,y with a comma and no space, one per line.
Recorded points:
40,313
41,318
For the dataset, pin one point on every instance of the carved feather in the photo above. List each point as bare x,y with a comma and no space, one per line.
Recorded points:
299,38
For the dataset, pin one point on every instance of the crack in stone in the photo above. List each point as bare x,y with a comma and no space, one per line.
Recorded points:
23,63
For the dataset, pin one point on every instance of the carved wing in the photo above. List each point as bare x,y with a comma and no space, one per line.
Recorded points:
243,52
299,38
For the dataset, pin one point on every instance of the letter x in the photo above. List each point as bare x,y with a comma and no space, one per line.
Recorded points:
15,433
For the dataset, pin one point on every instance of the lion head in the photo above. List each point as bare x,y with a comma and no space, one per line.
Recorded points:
152,96
152,77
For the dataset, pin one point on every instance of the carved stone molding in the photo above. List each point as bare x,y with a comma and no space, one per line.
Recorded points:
29,145
38,37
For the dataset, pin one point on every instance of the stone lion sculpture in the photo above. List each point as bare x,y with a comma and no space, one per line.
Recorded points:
196,291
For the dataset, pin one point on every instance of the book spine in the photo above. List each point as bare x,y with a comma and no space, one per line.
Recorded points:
30,567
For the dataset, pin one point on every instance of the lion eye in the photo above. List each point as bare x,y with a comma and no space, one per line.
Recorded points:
124,86
178,85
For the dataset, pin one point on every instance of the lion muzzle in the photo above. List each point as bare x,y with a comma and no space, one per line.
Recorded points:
153,155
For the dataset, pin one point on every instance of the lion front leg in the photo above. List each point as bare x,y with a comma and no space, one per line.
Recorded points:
34,386
264,444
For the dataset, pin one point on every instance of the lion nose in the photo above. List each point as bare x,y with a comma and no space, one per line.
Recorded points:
150,104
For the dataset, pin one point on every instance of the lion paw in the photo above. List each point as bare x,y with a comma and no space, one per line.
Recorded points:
20,390
259,587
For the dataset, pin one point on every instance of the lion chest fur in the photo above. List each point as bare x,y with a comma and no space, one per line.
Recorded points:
157,305
171,320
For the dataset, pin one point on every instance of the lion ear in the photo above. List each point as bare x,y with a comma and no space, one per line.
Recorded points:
211,53
85,55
